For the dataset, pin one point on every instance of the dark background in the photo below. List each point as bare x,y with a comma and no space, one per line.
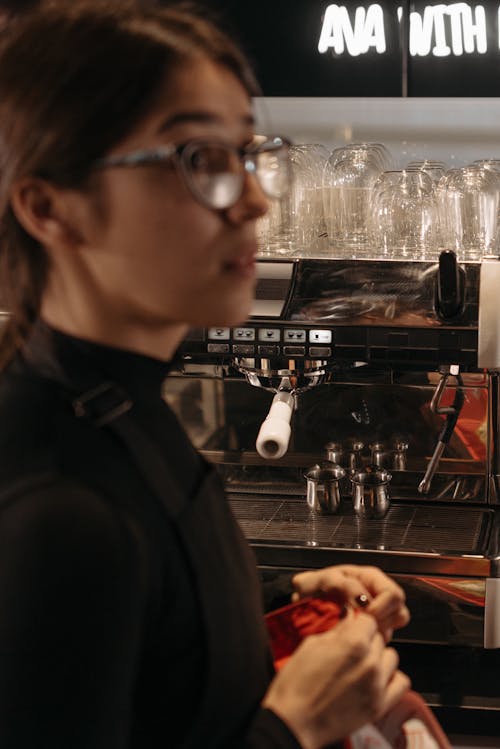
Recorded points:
281,38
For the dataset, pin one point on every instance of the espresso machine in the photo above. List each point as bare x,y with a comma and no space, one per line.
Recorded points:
383,377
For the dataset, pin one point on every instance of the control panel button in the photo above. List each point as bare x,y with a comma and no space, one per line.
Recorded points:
219,334
294,350
245,334
268,350
269,334
218,348
320,336
319,352
294,336
243,349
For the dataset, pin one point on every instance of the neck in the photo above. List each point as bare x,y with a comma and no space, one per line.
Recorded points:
99,321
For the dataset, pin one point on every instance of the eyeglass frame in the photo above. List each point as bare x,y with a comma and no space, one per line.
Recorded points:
178,154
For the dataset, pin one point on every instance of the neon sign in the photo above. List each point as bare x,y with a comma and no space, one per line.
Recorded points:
441,30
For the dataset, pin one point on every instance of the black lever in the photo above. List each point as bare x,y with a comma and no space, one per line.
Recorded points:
450,291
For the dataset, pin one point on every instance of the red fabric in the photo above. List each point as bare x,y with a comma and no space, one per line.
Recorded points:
289,625
287,628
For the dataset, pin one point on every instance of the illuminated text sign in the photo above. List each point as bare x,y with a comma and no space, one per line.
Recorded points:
440,30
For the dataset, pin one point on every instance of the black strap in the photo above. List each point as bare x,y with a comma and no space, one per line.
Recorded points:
107,405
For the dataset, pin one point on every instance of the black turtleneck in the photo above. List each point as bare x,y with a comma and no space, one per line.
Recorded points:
102,633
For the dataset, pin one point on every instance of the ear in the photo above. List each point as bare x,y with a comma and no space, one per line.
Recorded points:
42,211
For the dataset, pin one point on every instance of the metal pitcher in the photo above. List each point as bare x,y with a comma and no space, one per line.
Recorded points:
323,492
370,495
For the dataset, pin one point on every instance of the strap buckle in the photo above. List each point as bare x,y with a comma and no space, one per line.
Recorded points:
102,404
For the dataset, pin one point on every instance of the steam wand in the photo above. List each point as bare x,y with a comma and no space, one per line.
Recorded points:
452,413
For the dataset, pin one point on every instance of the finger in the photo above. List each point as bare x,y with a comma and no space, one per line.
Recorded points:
395,621
361,626
390,723
376,581
387,634
395,690
331,581
389,662
355,629
388,604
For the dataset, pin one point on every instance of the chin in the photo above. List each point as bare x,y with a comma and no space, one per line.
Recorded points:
234,312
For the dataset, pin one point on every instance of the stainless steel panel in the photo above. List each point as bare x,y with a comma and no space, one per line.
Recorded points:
489,315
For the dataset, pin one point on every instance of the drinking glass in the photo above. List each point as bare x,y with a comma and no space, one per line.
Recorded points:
295,224
435,169
493,164
404,220
348,179
274,230
376,150
468,200
306,200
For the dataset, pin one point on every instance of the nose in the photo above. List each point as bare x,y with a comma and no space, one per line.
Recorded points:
252,203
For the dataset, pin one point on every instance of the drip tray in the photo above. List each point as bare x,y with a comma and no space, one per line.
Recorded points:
410,529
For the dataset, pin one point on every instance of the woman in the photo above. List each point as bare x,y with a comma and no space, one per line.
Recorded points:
130,607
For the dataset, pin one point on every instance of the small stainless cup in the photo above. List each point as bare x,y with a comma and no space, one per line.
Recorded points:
379,454
399,456
335,452
355,458
323,493
370,495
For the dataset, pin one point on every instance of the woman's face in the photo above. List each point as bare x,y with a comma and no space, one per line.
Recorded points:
159,257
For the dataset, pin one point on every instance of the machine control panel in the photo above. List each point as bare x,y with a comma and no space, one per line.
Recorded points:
388,314
320,336
260,340
244,334
218,348
269,334
424,348
294,336
219,334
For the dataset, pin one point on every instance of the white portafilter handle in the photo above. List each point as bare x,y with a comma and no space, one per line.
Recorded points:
274,434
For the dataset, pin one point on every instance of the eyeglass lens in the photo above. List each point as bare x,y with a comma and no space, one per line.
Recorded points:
217,173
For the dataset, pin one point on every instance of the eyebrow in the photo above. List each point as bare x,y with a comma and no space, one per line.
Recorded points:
182,118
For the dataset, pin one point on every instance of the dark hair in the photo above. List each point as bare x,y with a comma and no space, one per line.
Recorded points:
75,78
17,6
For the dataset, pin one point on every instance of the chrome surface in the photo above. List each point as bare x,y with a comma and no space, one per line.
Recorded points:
323,490
417,539
370,495
435,405
293,375
384,373
489,320
425,484
376,292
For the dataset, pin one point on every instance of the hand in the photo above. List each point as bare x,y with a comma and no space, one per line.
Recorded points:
336,682
347,582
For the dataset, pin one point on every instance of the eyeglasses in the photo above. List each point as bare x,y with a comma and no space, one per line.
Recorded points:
214,172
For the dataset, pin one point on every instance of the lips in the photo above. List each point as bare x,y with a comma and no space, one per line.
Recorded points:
242,264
